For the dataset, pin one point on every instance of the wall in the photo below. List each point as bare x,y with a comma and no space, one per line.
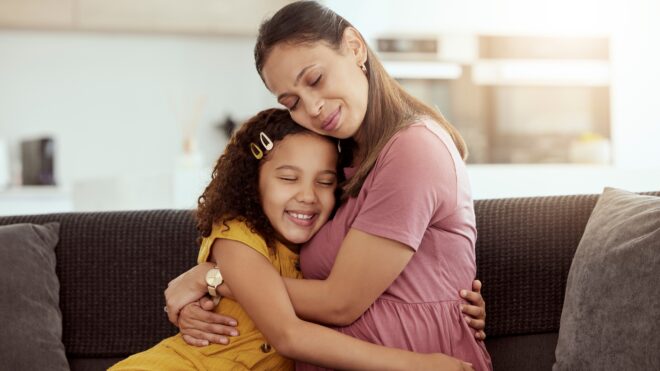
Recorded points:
631,24
117,103
635,84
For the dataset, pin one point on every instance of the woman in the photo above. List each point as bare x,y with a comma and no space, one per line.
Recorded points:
387,268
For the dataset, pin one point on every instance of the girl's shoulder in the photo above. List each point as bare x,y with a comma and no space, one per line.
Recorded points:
236,229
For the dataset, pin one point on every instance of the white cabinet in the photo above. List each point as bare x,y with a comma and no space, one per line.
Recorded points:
35,200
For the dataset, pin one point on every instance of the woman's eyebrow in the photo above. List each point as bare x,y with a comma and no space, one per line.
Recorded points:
295,83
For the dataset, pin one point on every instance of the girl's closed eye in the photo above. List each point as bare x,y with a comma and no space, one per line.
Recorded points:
329,182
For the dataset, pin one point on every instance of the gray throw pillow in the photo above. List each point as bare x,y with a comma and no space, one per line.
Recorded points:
30,317
611,314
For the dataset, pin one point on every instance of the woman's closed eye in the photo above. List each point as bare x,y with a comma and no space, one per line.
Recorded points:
315,82
291,104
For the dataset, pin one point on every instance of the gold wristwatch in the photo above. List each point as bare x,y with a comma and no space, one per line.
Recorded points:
213,280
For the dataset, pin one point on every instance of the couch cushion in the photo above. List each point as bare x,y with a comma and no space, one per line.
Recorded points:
610,319
30,318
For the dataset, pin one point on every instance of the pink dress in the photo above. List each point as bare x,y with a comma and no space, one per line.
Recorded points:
418,194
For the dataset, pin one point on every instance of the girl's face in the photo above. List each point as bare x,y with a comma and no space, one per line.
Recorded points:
297,184
324,89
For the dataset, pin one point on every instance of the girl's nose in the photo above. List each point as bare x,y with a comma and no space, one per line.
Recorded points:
306,194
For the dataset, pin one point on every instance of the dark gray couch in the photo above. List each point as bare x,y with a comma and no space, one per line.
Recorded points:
114,266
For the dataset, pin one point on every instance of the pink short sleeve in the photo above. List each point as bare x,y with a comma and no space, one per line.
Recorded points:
412,186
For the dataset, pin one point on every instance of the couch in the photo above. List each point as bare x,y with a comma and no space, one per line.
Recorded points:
114,266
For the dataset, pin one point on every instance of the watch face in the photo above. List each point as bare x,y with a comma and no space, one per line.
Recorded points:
213,277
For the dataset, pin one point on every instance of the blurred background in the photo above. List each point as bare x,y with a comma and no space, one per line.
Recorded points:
118,104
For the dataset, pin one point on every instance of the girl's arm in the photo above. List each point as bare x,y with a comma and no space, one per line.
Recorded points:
260,290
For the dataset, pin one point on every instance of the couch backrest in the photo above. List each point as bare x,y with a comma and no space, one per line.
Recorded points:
114,266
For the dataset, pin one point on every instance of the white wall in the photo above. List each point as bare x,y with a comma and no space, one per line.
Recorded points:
635,84
111,100
632,25
373,17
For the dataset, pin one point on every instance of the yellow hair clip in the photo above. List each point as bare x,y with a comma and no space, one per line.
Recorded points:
256,151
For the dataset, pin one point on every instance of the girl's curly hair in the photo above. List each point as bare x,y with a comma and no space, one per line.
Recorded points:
234,189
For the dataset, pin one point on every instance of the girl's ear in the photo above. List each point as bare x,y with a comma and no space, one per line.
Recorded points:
354,44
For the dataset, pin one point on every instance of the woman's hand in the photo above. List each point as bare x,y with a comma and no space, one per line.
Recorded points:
225,291
200,326
189,287
476,310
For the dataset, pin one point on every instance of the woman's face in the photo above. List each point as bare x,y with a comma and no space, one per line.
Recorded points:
297,184
324,89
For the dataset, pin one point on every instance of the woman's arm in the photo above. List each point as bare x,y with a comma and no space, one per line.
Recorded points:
261,292
323,301
365,267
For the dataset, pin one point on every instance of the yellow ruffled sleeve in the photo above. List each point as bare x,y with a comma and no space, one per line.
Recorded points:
235,230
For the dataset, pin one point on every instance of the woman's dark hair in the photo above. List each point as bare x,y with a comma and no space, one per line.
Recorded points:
389,108
233,192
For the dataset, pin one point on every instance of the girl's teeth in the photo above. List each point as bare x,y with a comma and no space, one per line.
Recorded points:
301,216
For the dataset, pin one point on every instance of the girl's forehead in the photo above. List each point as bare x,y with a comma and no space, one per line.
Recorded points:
300,145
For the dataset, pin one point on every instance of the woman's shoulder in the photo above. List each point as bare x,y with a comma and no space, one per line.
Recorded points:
422,136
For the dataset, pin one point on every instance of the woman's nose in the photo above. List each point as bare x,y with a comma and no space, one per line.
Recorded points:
313,106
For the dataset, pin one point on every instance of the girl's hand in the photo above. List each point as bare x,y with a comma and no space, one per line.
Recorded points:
200,326
189,287
438,361
476,310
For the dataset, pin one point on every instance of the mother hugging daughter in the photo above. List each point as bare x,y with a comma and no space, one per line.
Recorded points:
386,269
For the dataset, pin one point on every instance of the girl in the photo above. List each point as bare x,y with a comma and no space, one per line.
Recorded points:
388,267
272,189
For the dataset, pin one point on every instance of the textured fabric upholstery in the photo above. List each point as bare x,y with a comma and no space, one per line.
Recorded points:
114,266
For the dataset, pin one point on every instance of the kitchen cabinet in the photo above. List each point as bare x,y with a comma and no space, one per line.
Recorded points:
36,14
206,17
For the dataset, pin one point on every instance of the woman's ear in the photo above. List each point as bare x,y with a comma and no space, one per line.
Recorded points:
354,44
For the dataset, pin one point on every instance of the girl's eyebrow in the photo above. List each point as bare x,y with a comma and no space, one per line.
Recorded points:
295,168
295,83
288,167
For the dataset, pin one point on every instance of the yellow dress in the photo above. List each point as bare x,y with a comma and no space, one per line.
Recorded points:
244,352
